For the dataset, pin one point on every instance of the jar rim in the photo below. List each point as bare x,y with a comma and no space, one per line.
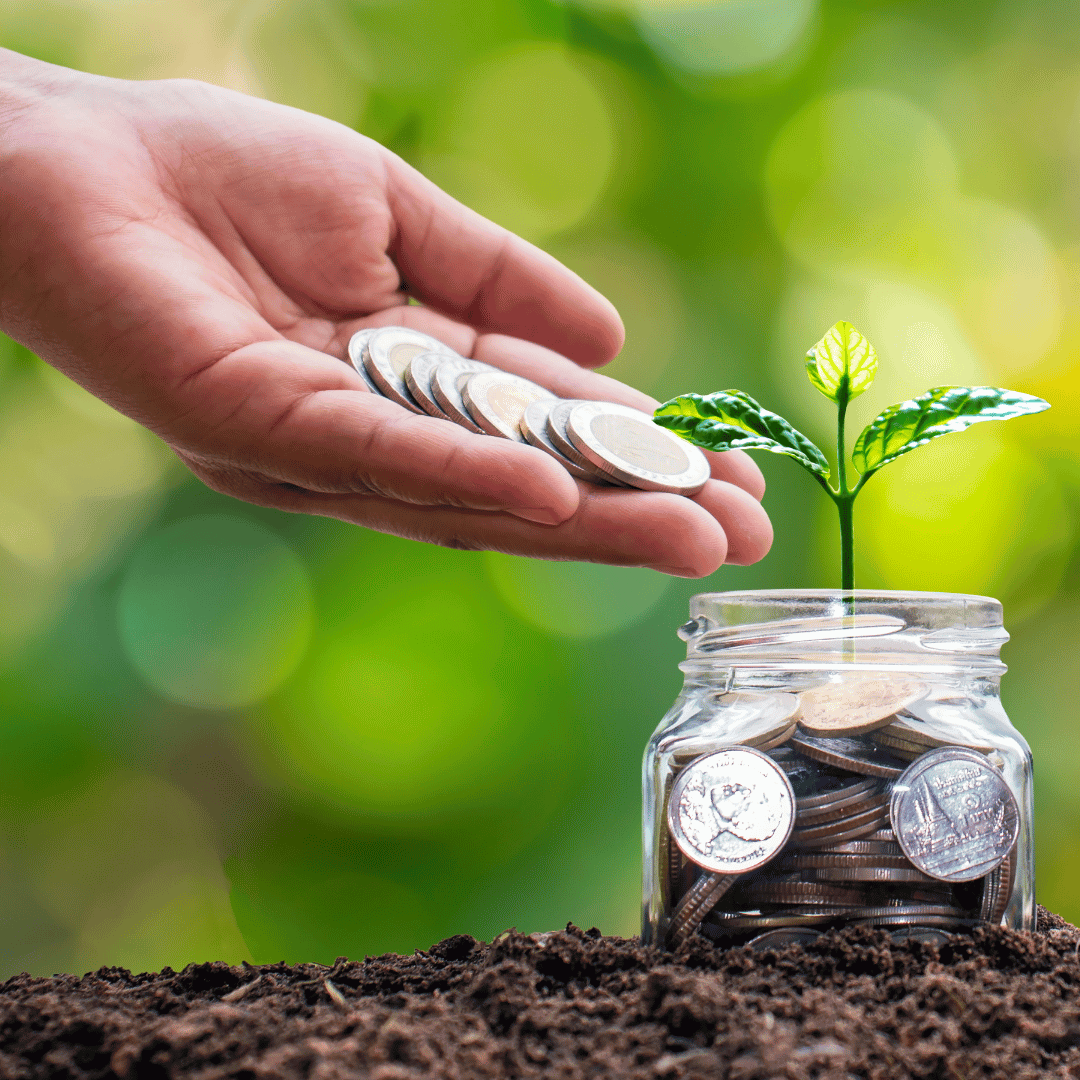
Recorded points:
892,627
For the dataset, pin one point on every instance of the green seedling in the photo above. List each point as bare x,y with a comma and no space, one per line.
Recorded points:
841,365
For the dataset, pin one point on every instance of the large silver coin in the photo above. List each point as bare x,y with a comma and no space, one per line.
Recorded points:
625,443
357,346
388,354
731,811
534,421
496,401
447,381
556,432
954,815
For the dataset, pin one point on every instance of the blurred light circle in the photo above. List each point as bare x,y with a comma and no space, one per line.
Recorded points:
862,175
530,141
577,600
724,37
215,611
968,513
406,710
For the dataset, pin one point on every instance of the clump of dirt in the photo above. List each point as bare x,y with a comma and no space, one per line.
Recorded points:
574,1004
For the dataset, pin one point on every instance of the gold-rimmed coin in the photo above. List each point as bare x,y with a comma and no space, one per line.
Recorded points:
357,345
446,382
625,443
556,432
856,705
534,426
387,355
418,375
496,401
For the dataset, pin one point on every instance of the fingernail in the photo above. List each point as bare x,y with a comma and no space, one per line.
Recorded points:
542,515
676,571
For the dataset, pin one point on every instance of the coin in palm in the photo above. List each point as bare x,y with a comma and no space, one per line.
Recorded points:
388,354
533,425
496,400
625,443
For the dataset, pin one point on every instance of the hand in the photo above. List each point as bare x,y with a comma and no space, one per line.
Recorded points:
199,259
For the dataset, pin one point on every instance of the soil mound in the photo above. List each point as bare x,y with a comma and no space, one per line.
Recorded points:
575,1004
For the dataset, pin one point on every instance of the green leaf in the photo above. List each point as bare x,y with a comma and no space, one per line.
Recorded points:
842,364
909,424
732,420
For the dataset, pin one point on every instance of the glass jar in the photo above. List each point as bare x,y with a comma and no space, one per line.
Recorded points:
878,715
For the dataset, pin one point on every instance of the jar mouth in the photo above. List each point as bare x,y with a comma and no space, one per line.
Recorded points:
821,628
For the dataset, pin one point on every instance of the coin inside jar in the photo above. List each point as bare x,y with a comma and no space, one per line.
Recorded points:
497,400
627,444
849,753
731,811
855,705
954,815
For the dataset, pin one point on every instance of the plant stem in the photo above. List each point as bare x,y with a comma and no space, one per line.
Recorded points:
844,499
845,504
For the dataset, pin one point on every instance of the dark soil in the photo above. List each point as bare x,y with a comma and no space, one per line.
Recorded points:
575,1004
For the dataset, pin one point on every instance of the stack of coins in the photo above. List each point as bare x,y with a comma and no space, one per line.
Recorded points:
894,826
597,441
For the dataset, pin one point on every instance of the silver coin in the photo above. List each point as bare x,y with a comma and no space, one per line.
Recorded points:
731,811
814,808
721,924
954,815
698,901
924,934
447,381
357,345
556,432
871,874
850,753
388,354
496,400
417,378
625,443
533,426
781,938
868,848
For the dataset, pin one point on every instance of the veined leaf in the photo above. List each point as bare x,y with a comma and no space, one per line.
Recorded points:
909,424
732,420
842,364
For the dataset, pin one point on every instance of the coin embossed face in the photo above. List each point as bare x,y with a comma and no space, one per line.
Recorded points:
496,401
640,443
731,811
954,815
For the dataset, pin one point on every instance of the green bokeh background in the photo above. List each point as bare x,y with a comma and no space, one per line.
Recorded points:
228,733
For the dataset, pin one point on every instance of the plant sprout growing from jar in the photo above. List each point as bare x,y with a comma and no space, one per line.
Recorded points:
841,365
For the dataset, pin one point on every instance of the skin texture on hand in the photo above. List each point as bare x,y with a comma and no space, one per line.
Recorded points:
199,259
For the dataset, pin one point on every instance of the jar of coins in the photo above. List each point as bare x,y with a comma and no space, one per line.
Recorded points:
837,759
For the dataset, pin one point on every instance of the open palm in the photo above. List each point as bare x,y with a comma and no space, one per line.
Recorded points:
199,259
